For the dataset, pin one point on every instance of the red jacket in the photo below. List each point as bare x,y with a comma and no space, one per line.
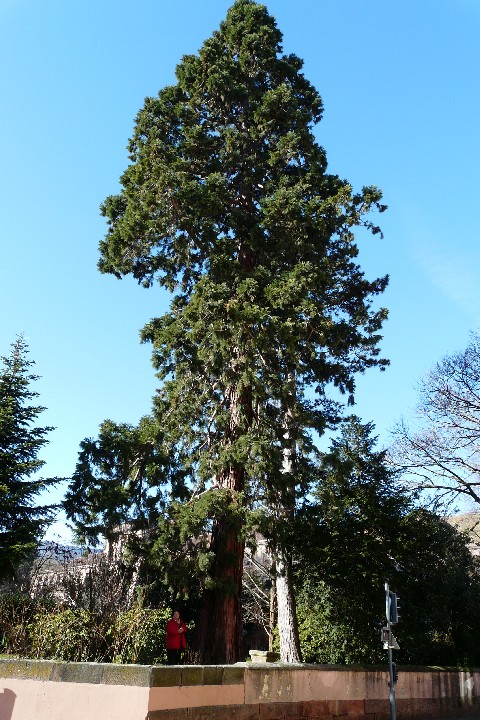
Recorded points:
176,640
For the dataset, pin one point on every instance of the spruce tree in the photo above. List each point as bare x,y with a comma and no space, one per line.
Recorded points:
227,203
21,519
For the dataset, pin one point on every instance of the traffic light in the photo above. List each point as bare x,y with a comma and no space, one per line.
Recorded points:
393,607
393,676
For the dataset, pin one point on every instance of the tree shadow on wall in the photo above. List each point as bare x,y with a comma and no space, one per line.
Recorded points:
7,701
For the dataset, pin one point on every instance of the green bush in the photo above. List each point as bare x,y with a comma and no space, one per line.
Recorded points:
138,636
72,635
331,632
36,629
16,612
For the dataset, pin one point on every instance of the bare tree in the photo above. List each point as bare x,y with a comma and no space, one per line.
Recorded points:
440,452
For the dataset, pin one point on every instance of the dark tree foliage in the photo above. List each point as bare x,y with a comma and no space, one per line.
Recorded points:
362,529
346,544
22,520
439,582
119,484
227,202
127,488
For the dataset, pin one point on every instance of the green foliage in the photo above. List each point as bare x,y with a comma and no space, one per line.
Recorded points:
358,506
37,628
439,583
70,634
228,204
17,610
22,520
339,626
138,636
118,479
180,555
362,530
328,629
81,609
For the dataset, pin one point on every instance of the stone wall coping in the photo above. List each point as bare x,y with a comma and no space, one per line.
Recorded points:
177,675
116,674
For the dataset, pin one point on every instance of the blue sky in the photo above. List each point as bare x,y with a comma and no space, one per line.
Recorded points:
399,81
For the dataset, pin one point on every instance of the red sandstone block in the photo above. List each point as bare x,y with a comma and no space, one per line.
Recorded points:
281,711
215,712
422,708
242,712
338,708
250,712
405,707
356,709
293,710
373,707
178,714
271,711
316,709
219,712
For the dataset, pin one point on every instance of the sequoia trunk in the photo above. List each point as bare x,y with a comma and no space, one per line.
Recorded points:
219,633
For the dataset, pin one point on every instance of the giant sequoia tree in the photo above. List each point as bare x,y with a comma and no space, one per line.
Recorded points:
227,203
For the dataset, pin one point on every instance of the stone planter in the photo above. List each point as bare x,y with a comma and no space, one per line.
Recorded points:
263,656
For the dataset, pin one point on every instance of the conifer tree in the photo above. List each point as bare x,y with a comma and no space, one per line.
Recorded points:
118,481
21,519
359,528
227,203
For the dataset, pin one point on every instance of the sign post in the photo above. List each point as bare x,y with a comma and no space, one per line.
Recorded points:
390,643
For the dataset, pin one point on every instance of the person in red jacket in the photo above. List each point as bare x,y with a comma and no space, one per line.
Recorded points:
176,642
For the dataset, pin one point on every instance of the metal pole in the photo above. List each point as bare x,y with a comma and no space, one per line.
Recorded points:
392,685
393,714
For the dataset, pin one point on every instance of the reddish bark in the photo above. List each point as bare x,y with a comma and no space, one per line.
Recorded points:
219,632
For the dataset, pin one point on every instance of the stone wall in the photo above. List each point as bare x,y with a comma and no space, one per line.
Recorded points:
44,690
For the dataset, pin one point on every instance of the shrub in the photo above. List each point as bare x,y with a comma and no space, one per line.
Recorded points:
138,636
72,635
38,628
332,631
16,612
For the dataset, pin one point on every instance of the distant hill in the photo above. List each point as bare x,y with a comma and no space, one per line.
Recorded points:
59,550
